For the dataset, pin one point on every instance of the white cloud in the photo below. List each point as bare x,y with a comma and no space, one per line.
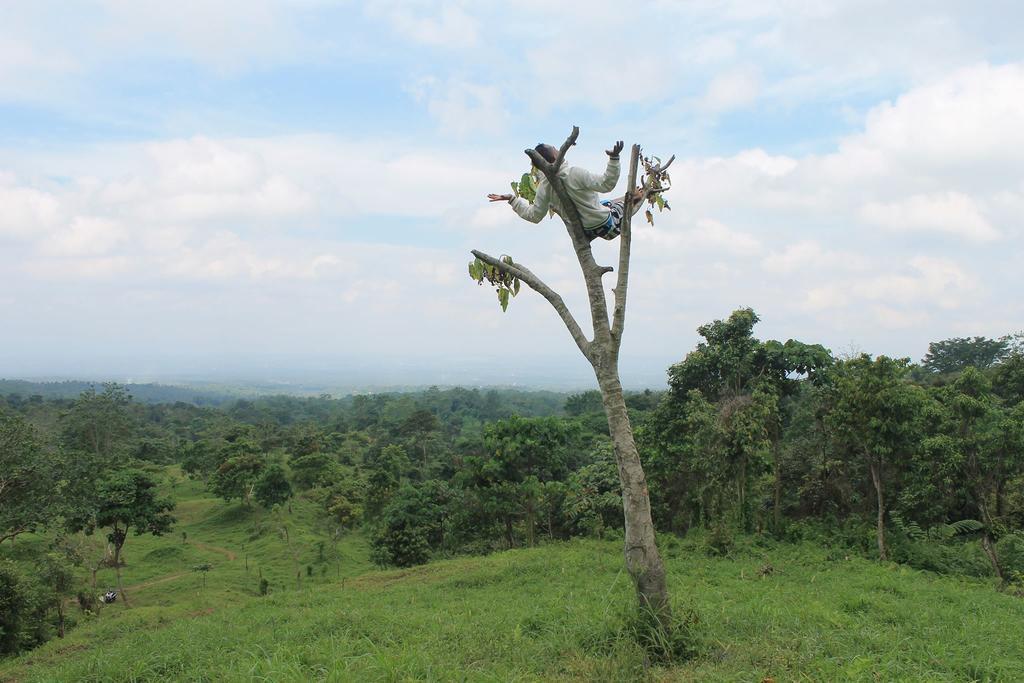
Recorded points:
88,41
713,49
26,212
87,235
23,65
729,91
707,235
445,25
232,212
950,212
461,108
808,255
926,282
970,116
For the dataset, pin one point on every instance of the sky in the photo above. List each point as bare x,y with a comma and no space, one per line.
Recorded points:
289,189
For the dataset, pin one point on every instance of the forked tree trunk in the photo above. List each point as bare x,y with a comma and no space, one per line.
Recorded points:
876,478
986,540
643,561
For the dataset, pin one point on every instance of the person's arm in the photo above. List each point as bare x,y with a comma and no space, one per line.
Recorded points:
606,182
532,212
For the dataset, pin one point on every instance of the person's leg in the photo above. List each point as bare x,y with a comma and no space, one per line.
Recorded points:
638,199
616,210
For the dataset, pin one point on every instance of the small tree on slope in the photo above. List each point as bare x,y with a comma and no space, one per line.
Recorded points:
643,561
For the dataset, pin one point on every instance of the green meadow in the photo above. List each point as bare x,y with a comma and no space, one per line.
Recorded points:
561,611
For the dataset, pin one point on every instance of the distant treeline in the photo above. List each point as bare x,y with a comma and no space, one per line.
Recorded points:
144,393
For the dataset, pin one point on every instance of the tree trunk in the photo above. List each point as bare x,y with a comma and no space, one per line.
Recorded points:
986,541
531,524
120,588
990,552
876,477
742,494
777,491
643,561
118,544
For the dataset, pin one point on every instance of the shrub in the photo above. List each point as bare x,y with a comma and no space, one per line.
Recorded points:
23,607
400,546
1010,549
719,540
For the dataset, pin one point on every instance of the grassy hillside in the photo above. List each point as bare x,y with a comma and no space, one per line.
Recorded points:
555,612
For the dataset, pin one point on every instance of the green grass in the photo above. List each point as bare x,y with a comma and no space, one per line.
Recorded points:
557,612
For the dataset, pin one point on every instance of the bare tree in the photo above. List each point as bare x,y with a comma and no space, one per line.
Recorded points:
643,561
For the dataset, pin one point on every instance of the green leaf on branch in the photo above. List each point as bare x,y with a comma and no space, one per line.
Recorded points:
475,271
525,187
505,284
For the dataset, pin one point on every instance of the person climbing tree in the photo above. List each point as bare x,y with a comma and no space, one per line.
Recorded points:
600,218
643,561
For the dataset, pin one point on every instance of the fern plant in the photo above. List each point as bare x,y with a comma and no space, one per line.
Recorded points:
939,532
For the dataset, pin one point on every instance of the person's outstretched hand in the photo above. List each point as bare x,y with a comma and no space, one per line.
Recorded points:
499,197
614,151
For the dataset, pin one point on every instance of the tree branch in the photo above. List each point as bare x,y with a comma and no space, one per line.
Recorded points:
12,534
536,284
655,172
625,243
569,142
663,167
574,225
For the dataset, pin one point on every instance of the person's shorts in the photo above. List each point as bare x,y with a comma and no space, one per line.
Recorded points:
611,228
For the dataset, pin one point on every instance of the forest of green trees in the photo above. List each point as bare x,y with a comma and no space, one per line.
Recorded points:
920,464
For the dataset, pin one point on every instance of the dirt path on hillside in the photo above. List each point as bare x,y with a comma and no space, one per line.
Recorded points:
177,575
154,582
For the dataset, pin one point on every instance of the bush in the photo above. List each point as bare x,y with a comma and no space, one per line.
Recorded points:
409,525
86,601
719,540
943,557
23,608
400,546
1010,549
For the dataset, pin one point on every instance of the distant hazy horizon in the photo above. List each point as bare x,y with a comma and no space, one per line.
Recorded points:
557,374
568,372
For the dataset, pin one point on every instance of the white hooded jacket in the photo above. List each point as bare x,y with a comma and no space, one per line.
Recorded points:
582,186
